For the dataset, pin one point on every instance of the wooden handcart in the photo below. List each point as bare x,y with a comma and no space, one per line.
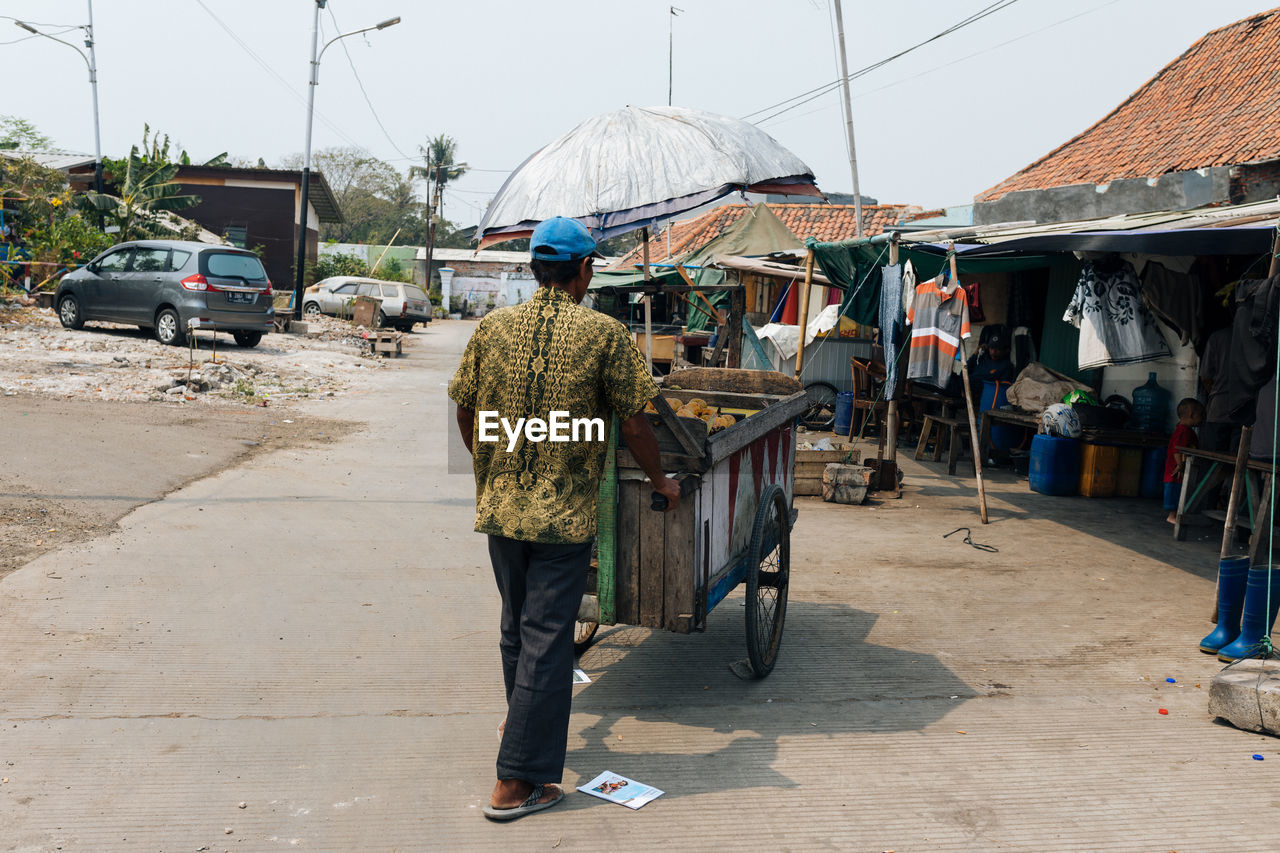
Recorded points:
670,570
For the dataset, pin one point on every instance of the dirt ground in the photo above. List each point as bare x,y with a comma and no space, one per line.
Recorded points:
102,420
108,361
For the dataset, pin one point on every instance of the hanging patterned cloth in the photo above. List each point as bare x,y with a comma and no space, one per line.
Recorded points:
1115,326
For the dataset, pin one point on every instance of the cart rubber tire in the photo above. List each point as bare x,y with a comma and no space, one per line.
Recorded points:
584,634
768,579
821,414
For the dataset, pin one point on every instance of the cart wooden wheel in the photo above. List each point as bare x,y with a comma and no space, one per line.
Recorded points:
768,578
583,634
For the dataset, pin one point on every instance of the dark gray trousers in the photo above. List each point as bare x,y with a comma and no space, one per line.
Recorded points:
541,586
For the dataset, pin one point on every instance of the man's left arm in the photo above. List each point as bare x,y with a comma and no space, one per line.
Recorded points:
466,423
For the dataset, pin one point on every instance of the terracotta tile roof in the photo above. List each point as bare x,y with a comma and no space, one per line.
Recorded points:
825,222
1217,104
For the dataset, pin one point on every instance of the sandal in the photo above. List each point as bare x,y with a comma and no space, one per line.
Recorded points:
529,806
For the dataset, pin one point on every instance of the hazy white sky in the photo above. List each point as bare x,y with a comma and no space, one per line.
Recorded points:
506,77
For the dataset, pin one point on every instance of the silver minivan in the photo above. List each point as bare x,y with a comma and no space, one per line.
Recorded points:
171,286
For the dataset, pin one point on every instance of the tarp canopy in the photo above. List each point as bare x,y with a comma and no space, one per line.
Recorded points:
1246,229
637,166
757,232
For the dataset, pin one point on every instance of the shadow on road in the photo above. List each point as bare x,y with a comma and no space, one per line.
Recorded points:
830,680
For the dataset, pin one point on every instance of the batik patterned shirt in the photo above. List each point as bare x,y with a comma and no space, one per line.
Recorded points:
546,355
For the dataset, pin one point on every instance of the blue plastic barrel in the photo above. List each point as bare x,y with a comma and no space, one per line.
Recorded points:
844,412
1003,437
1153,472
1055,465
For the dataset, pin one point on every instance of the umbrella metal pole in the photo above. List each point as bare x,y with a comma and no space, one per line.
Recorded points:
804,312
648,303
891,417
973,422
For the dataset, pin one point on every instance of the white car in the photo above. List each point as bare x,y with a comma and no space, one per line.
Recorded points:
402,304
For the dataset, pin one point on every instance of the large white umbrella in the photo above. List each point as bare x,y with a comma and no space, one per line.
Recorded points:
638,166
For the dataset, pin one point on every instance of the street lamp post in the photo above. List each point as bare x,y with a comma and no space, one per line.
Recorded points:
91,60
300,277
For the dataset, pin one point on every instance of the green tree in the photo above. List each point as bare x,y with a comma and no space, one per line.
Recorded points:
18,133
375,199
48,229
440,166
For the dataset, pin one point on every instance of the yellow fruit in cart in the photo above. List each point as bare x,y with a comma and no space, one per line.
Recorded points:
697,404
685,412
675,402
650,408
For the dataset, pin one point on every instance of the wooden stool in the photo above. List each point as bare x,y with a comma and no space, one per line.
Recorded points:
935,427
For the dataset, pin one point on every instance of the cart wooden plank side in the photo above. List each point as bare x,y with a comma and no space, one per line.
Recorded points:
732,527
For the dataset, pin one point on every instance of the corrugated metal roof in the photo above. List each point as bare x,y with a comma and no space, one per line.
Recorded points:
60,160
485,257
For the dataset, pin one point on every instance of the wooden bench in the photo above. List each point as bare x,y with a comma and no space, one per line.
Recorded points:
934,427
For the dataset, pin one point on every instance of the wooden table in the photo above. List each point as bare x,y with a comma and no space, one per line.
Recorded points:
1093,435
1206,471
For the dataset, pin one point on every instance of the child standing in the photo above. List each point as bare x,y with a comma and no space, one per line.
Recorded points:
1190,416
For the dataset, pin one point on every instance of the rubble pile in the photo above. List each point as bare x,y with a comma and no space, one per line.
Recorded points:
107,361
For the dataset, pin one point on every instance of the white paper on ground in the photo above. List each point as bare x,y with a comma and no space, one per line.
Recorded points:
621,790
580,677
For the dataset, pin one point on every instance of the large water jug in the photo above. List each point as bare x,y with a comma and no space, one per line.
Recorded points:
1150,406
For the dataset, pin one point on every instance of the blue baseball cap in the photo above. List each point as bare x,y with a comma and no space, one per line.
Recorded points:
561,239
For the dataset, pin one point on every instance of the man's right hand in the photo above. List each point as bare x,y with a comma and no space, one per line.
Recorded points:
669,489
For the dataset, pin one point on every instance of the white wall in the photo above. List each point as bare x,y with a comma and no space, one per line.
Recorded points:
1177,375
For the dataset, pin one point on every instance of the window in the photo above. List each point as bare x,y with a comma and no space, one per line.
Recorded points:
233,265
116,261
415,292
349,288
149,260
180,259
390,290
237,235
368,290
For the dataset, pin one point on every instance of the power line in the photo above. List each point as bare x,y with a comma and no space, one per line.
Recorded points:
60,32
258,59
40,23
360,83
997,46
812,94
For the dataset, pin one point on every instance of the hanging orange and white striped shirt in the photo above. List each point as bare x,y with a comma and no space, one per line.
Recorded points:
939,318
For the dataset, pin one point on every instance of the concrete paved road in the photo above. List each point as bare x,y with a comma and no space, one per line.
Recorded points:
314,635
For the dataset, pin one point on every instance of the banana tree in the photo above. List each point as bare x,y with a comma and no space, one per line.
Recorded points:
145,190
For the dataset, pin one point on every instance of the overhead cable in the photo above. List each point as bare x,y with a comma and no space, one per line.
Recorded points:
360,83
805,97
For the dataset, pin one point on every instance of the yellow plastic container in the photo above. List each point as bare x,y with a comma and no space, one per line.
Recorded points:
1129,473
1098,464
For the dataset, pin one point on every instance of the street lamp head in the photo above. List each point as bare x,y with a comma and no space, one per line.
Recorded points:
27,27
389,22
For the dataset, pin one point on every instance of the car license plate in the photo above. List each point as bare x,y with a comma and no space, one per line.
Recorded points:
241,298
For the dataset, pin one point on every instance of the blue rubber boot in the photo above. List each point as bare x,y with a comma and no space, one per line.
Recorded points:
1257,621
1233,572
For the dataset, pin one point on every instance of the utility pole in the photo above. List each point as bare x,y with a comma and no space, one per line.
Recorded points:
671,26
848,118
300,279
91,60
97,133
433,201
